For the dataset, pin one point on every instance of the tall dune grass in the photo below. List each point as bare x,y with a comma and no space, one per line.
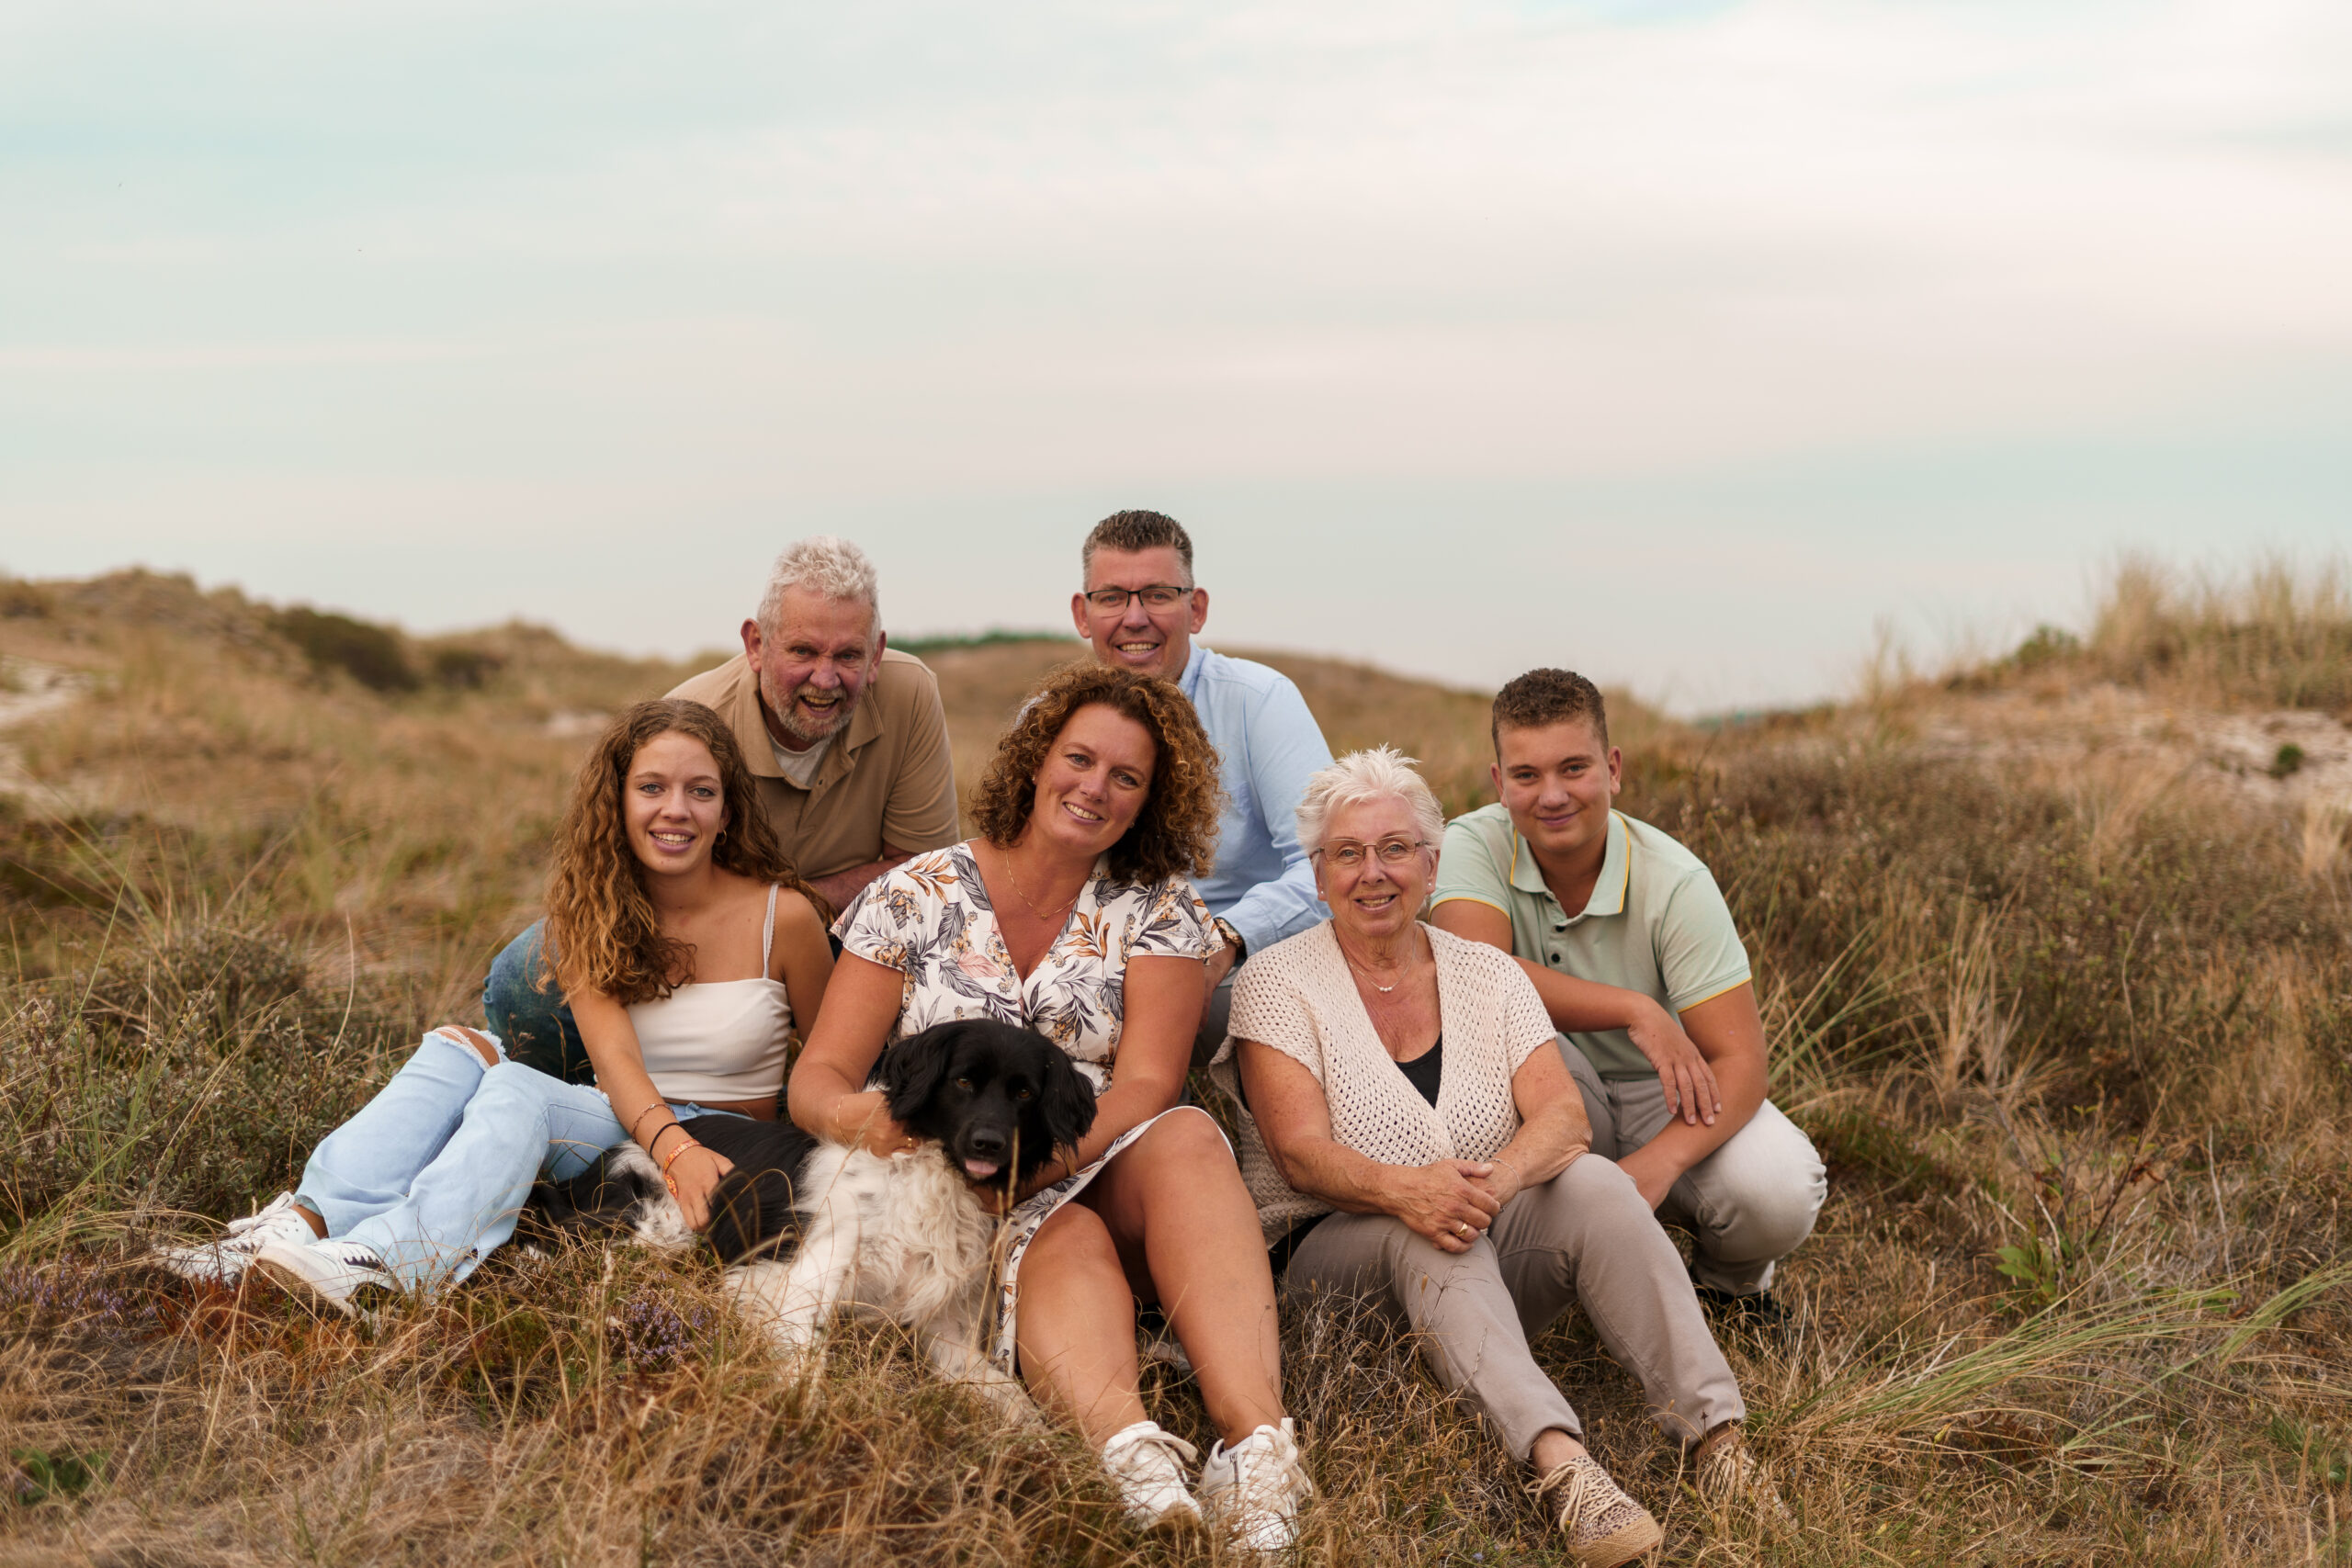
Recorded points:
2278,632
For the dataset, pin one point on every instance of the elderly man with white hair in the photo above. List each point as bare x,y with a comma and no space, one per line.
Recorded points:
1411,1137
846,736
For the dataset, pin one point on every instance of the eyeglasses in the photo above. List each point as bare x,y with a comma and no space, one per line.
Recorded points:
1114,601
1348,855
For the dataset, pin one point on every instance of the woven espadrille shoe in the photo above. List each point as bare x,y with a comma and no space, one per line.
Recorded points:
1604,1528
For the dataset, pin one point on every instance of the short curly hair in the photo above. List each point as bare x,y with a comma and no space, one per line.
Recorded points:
1548,696
1175,833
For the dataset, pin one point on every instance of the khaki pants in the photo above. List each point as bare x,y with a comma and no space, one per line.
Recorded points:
1585,1235
1749,1204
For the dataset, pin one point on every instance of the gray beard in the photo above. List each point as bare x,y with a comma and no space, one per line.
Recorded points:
785,715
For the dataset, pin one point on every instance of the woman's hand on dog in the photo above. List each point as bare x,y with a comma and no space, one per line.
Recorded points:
885,1135
694,1176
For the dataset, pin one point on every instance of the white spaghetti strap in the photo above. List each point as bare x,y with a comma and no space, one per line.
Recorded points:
767,929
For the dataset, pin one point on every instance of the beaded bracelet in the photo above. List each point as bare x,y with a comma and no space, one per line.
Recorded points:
667,1180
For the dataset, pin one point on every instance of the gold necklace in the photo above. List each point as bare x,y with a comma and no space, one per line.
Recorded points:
1364,970
1014,877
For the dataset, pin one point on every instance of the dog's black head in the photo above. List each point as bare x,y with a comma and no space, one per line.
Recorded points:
993,1095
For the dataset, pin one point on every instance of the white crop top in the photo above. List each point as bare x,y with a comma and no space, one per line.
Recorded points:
717,1040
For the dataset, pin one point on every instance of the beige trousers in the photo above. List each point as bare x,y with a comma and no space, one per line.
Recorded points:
1747,1205
1585,1235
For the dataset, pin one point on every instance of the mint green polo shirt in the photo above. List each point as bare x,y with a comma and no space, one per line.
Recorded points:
1655,923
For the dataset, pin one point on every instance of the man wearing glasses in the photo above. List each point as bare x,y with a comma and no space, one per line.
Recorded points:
1140,609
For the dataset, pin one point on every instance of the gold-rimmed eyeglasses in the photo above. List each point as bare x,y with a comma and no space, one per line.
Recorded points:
1114,601
1349,855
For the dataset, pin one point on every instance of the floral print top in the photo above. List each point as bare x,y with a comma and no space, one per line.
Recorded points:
931,919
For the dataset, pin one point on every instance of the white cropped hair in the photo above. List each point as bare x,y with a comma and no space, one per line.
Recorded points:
1368,776
824,564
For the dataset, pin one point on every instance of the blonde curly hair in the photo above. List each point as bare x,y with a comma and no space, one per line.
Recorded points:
603,935
1175,833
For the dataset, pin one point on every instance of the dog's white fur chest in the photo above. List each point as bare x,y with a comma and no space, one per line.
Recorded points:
904,1236
909,1232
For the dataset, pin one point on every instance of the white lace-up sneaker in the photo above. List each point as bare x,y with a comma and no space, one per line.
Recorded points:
1146,1464
1252,1491
333,1271
224,1261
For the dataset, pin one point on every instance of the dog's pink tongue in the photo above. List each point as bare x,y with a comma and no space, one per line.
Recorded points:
980,1170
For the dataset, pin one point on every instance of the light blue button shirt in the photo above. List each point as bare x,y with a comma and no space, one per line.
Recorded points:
1270,744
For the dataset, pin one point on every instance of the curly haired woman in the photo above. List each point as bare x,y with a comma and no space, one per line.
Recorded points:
1071,915
686,943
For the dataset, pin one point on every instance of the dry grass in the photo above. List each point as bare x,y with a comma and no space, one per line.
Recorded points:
2076,1048
2278,634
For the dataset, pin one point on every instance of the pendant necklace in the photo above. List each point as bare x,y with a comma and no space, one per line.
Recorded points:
1014,877
1365,971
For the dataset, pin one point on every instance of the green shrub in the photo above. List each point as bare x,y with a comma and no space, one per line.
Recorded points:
369,654
464,668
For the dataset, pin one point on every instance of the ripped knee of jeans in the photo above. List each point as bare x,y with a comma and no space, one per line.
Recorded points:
487,1046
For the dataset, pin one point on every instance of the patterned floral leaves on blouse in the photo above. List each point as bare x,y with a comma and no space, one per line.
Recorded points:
931,919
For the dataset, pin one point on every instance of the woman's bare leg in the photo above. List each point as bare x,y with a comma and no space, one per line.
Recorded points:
1075,1323
1187,1233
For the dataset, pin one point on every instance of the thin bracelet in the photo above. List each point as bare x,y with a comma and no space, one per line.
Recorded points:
1497,1159
641,1115
653,1144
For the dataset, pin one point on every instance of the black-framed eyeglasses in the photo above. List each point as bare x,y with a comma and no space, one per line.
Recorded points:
1114,601
1348,855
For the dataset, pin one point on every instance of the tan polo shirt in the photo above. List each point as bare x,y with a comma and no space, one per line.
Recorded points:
886,779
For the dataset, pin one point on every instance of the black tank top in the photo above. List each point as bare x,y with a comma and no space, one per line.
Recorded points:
1423,1071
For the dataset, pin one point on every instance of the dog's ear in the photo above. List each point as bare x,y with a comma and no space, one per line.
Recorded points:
1066,1099
912,1070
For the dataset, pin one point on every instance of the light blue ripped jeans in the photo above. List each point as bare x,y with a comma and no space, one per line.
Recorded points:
433,1172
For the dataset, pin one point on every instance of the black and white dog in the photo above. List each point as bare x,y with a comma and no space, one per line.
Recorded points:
910,1235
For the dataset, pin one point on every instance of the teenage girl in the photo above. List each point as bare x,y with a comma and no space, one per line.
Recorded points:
686,946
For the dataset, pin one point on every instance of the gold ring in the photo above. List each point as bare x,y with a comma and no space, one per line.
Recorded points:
1463,1228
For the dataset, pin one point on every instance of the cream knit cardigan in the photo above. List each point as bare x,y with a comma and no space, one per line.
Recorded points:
1299,998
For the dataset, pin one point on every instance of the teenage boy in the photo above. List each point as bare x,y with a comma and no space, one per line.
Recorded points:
1633,950
1139,609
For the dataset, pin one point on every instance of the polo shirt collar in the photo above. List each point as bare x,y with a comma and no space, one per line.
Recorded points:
1616,872
1608,890
750,724
752,732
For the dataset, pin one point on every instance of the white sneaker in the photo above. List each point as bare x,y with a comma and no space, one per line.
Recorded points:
333,1271
224,1261
1146,1464
1252,1490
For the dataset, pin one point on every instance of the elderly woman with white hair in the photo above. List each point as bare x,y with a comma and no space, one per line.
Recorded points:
1411,1137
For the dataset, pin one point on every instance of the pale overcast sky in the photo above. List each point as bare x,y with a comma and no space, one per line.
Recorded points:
1676,342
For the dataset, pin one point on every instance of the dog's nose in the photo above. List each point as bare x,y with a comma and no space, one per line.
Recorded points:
987,1142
